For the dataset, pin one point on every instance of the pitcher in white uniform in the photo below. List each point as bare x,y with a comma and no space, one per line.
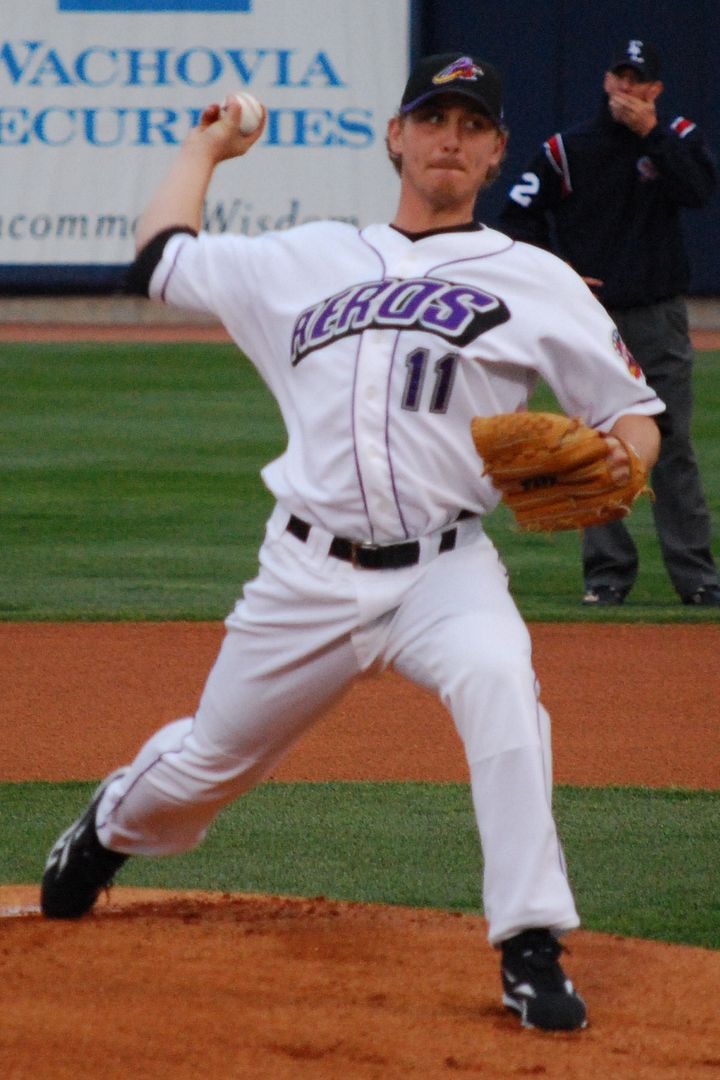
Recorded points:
380,344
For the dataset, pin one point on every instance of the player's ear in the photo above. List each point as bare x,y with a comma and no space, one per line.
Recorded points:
394,135
501,141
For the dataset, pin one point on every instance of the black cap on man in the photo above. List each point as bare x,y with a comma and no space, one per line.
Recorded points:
455,73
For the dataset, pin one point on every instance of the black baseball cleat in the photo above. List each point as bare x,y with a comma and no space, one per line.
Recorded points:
79,867
603,596
535,985
703,596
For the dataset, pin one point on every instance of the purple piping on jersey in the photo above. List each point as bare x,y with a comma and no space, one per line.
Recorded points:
396,495
383,273
170,273
393,482
355,451
469,258
427,274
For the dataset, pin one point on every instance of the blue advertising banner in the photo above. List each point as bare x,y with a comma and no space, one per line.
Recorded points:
94,105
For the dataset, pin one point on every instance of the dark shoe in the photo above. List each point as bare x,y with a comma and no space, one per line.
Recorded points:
78,867
536,986
704,596
603,596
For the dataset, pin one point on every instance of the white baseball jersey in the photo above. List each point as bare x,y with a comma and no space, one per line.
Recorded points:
380,350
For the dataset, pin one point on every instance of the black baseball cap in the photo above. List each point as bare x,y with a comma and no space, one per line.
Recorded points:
455,73
640,56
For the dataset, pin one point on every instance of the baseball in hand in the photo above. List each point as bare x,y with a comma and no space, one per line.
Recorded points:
252,112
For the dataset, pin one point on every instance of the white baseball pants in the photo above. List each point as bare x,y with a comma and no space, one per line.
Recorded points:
307,625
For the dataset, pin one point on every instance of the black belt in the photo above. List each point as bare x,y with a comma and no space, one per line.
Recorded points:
377,556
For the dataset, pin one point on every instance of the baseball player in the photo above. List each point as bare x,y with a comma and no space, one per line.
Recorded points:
380,344
608,196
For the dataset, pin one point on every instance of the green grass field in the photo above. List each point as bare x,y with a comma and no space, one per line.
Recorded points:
642,862
131,490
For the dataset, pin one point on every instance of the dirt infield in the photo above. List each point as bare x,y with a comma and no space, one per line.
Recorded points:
120,681
61,331
158,985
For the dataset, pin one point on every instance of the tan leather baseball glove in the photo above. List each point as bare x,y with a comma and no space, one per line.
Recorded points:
553,471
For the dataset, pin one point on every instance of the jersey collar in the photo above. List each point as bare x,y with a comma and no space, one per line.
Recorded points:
470,226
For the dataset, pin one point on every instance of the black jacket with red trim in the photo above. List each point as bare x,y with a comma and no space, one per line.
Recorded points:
609,202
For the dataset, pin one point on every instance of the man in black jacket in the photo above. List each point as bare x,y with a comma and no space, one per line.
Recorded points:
607,195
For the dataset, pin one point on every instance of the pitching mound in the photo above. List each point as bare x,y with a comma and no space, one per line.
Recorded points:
156,984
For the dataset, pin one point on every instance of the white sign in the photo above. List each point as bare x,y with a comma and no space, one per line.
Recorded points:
96,95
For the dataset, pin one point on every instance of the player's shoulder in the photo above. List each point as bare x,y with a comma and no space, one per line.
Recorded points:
585,132
324,227
309,236
581,127
529,253
559,149
542,266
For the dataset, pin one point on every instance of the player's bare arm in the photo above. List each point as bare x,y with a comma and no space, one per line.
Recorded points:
639,432
179,199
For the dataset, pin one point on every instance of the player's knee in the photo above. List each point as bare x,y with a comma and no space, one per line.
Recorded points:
491,653
494,703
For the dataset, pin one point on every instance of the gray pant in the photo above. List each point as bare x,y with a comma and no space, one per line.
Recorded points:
657,336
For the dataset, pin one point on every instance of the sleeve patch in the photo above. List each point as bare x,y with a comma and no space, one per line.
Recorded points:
555,153
624,353
682,127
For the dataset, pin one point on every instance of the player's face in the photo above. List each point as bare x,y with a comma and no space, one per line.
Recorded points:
447,150
626,81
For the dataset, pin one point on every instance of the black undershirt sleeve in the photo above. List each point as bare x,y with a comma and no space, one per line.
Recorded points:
137,279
